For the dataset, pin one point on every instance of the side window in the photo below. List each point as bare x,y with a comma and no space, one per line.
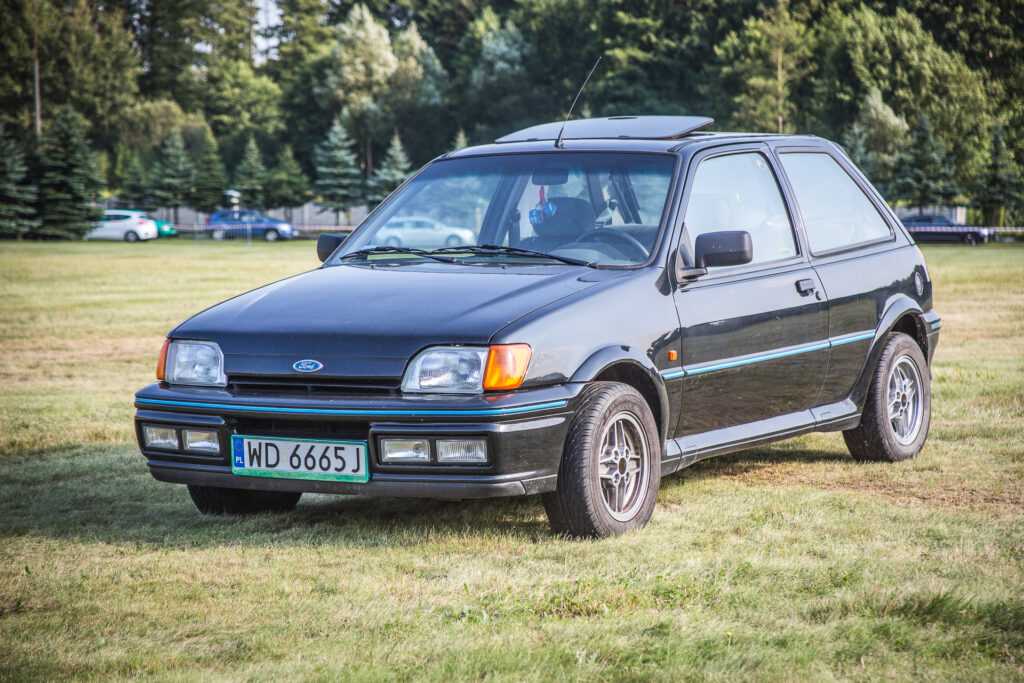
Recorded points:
836,211
739,192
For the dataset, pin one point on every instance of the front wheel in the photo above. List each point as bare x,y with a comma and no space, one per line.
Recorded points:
212,500
611,467
897,412
271,235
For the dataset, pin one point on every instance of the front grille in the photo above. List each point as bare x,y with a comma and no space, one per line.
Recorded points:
301,429
266,385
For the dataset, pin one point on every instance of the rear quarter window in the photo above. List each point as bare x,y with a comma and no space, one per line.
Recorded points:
835,210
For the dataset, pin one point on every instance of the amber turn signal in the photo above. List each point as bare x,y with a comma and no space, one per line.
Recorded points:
506,366
162,360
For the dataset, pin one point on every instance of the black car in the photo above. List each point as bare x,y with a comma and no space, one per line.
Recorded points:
935,228
639,296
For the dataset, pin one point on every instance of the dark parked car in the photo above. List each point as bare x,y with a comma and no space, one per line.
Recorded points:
236,223
935,228
638,296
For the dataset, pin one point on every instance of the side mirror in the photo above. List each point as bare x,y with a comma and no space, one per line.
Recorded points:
726,248
326,244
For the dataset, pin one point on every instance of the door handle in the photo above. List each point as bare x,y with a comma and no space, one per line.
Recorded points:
805,286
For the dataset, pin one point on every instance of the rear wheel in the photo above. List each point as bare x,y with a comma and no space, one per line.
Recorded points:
453,241
393,242
271,235
897,412
131,236
217,234
611,467
970,239
211,500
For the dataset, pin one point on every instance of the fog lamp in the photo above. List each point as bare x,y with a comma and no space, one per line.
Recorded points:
160,437
462,450
404,450
201,440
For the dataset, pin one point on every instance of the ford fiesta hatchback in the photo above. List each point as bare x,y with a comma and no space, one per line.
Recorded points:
631,298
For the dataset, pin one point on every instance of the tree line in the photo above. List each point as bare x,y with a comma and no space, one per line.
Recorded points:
331,99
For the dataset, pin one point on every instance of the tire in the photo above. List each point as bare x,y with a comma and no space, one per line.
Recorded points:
218,234
453,241
271,235
131,236
897,411
211,500
584,504
970,239
393,242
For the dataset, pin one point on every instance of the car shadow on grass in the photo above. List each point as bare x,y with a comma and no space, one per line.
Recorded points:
777,462
105,494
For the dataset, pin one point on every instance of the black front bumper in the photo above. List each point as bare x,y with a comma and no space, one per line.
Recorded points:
525,434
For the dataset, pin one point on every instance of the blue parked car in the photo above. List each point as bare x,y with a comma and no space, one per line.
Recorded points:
235,223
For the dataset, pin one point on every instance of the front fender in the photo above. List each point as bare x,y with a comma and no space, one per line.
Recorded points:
619,358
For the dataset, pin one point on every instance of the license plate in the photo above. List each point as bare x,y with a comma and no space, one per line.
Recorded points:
256,456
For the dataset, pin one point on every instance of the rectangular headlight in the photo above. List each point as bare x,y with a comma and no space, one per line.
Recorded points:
462,450
195,362
201,440
404,450
447,370
160,437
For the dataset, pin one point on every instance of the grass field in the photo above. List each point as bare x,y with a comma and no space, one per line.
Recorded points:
784,562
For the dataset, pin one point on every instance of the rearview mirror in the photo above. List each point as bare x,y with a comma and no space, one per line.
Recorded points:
725,248
326,244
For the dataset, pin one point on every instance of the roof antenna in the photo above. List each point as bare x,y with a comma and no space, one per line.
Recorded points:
558,141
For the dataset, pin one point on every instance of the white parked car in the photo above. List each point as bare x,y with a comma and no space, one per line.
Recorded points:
422,232
124,224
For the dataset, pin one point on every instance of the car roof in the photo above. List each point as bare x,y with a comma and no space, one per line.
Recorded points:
110,211
623,134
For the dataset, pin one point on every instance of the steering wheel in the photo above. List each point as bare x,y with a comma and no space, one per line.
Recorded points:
632,246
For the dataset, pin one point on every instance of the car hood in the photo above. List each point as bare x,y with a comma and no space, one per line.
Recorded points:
363,321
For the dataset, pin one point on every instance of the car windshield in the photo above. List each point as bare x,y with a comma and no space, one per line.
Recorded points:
591,208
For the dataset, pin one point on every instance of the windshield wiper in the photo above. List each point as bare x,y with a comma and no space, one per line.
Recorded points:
515,251
397,250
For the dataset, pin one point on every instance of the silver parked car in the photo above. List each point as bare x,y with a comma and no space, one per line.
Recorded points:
422,232
124,224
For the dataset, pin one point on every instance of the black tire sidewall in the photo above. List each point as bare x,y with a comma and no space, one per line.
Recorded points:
875,434
578,474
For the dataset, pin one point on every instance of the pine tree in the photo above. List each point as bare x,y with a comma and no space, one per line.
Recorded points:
1000,184
287,185
391,173
210,178
924,174
170,180
338,179
760,66
68,182
135,192
250,177
17,213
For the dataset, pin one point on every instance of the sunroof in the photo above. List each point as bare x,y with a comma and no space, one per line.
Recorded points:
640,127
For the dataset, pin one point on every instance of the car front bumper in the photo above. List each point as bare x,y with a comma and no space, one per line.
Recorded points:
525,433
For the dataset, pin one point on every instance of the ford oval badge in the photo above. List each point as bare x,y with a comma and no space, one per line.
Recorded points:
308,365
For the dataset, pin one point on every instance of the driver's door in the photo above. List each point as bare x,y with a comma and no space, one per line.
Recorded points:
755,337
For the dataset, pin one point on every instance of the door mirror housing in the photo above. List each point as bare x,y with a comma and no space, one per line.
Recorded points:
725,248
327,243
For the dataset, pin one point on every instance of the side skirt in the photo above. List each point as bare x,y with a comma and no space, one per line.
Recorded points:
686,450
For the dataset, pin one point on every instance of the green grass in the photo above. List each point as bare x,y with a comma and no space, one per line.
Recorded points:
784,562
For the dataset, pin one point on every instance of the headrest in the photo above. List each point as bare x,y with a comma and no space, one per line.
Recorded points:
572,218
